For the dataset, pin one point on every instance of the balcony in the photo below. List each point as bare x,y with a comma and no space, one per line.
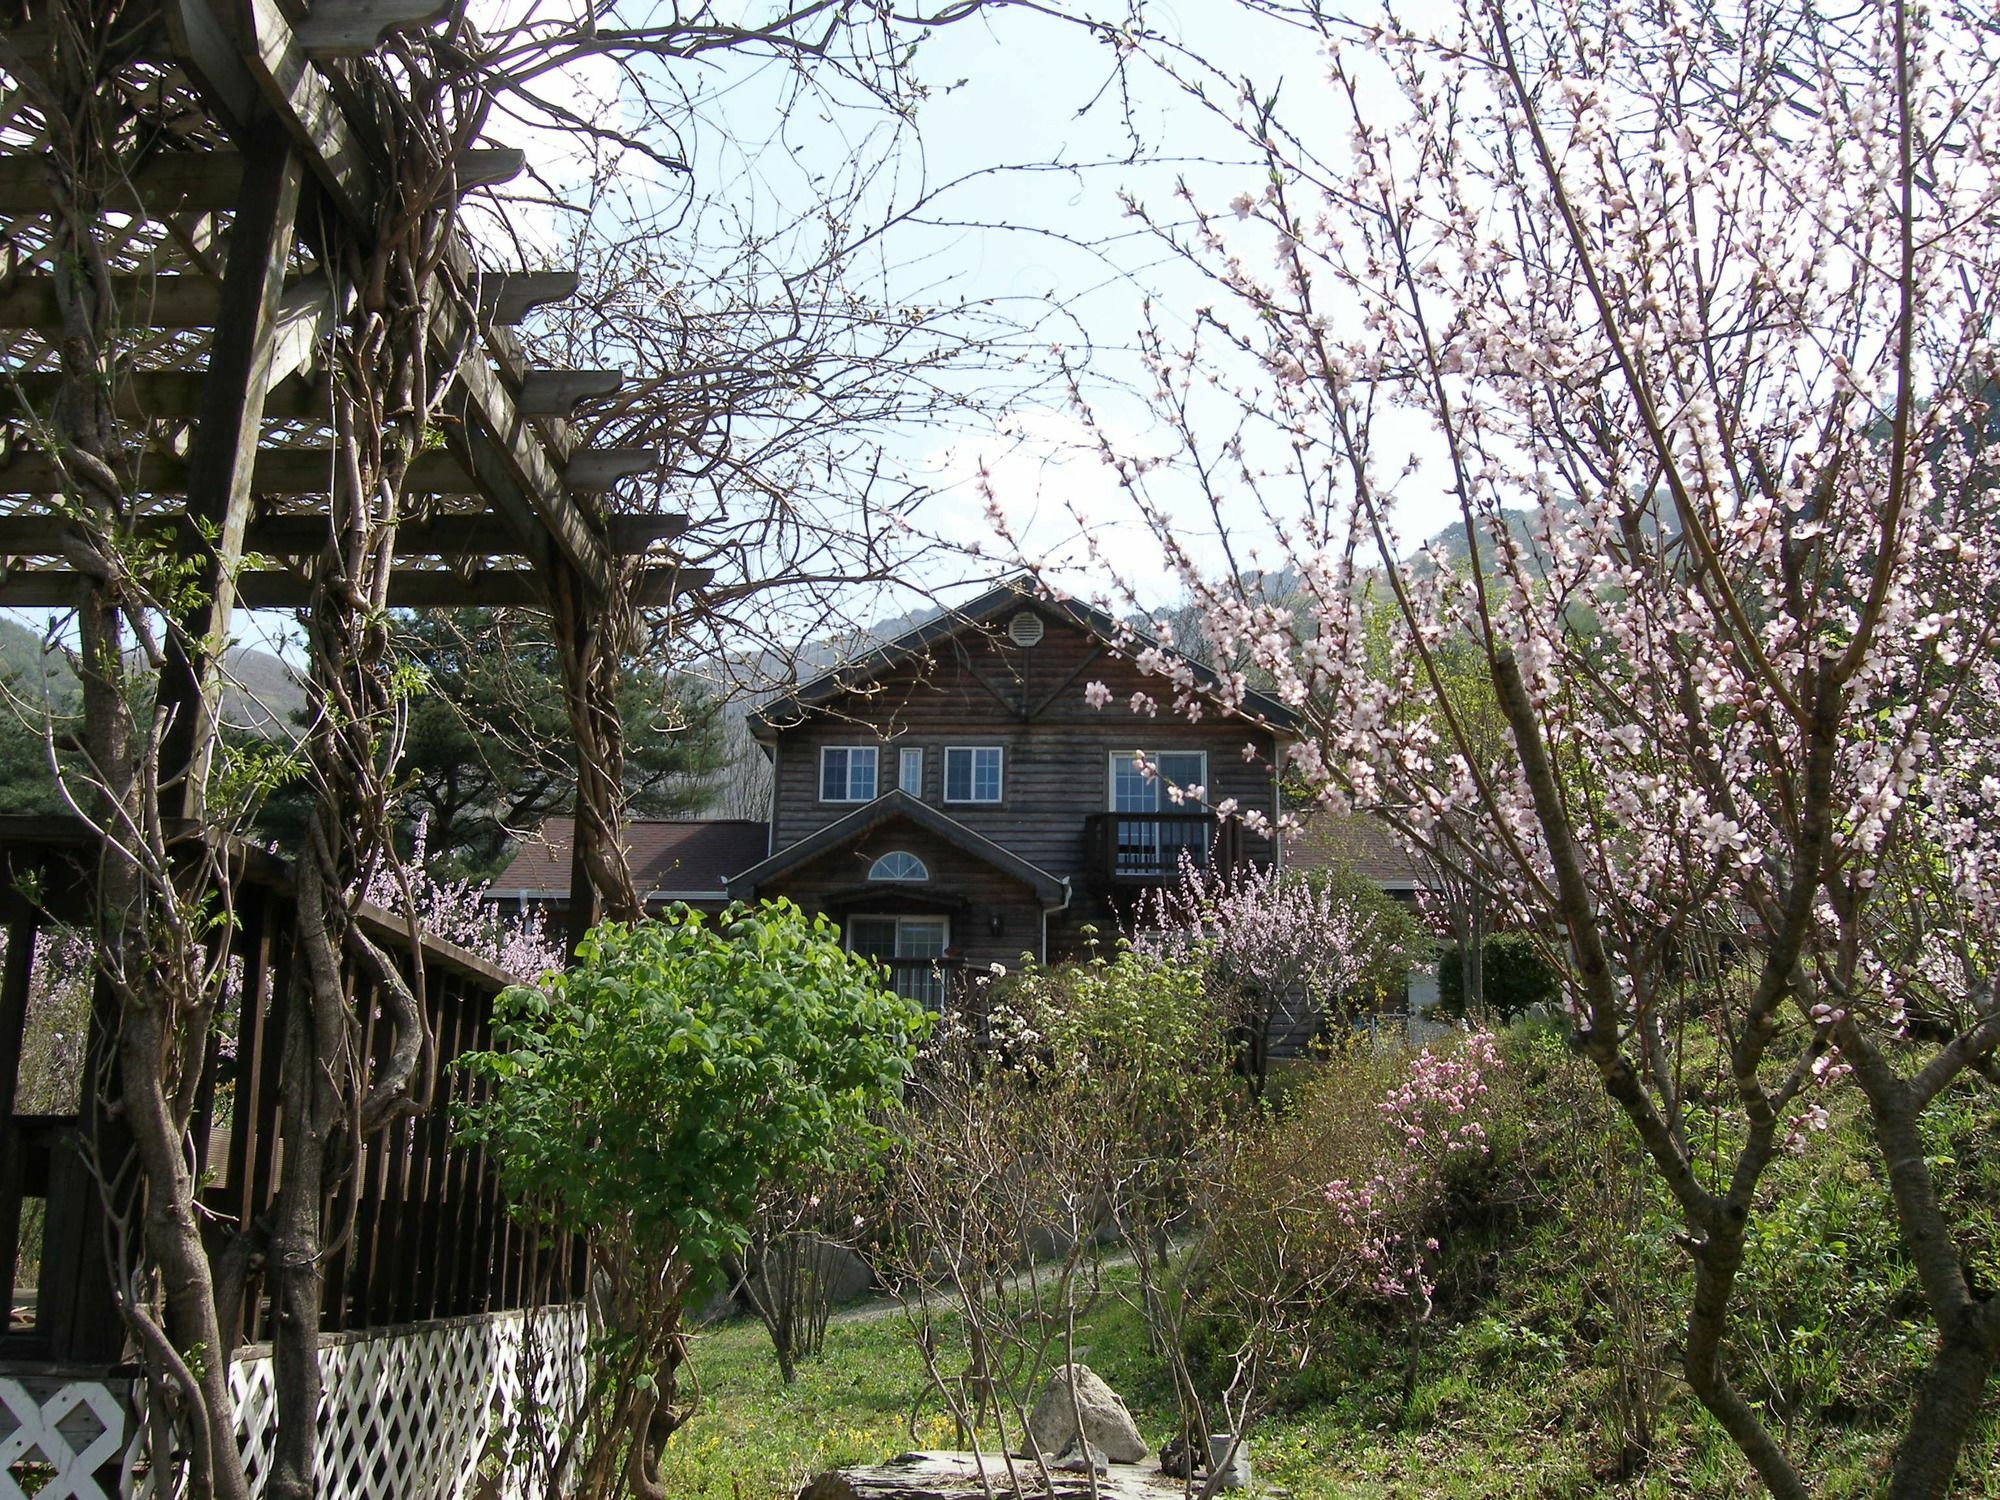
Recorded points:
931,982
1126,851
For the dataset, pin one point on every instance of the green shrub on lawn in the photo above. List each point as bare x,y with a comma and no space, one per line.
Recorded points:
1516,977
646,1097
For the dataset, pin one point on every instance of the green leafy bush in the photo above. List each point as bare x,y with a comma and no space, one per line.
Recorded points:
1146,1024
1517,976
646,1097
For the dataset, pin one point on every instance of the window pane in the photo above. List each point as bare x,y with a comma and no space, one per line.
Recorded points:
920,937
1130,790
972,773
860,775
872,937
910,772
986,775
898,864
832,774
1182,768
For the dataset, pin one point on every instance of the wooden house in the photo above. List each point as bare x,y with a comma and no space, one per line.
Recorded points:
981,789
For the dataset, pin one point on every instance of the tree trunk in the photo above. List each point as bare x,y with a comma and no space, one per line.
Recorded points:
1716,1262
1954,1386
315,1053
173,1243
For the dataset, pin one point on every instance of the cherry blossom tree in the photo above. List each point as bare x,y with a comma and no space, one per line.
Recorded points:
1282,947
1694,312
522,945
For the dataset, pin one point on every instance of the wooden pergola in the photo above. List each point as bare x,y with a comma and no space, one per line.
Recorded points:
228,309
259,145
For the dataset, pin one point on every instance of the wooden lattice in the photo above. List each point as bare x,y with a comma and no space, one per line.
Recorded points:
411,1414
59,1436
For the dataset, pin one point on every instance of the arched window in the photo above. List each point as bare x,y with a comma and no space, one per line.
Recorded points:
898,864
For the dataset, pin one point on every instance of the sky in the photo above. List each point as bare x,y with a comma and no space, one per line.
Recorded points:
1027,141
1046,88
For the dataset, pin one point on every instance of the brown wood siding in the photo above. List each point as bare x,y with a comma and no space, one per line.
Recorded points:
981,689
840,878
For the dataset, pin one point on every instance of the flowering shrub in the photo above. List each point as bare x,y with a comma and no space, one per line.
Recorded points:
1330,943
1058,1112
1433,1117
1337,1219
459,911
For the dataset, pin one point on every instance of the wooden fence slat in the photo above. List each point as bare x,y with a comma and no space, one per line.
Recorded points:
14,990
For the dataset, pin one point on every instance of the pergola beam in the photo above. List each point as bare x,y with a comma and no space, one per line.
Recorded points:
309,471
277,471
514,468
506,298
353,28
173,182
141,394
482,535
557,393
175,301
277,588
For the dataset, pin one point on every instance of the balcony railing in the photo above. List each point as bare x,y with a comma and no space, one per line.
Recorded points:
933,982
1133,849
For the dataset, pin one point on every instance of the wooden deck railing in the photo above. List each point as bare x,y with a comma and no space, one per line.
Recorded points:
932,982
430,1238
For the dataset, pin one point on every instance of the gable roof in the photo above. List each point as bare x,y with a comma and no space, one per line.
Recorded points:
787,709
899,804
1355,841
684,859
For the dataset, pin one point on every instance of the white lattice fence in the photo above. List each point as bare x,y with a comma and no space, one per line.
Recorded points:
58,1434
408,1414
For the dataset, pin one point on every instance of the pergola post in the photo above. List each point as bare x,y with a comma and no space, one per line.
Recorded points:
224,453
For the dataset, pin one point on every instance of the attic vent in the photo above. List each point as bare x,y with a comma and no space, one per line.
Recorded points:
1025,629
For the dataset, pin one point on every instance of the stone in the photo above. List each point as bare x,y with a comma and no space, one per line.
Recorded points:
956,1476
1080,1458
1107,1425
1182,1459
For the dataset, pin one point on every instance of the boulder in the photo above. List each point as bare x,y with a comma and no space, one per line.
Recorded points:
1080,1458
1107,1425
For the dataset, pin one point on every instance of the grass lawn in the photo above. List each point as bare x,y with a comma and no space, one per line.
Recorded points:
1498,1417
1558,1273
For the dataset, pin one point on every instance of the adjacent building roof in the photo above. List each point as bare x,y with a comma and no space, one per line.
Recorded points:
1356,842
986,610
900,804
686,859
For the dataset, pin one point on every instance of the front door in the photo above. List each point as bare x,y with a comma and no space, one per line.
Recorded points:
911,948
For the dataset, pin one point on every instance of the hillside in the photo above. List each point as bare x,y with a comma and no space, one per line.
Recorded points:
262,693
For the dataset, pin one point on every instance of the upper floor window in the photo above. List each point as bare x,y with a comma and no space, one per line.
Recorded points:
847,773
972,773
910,771
898,864
1149,786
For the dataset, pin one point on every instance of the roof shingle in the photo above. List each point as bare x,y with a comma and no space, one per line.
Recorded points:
681,858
